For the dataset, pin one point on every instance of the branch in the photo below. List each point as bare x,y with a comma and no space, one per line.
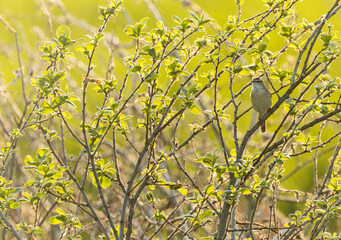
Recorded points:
330,168
15,233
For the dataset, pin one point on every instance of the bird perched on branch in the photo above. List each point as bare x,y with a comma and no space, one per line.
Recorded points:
261,99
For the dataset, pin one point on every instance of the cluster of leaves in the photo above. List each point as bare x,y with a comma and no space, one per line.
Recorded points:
172,96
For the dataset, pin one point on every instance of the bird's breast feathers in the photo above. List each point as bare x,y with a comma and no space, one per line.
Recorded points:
261,99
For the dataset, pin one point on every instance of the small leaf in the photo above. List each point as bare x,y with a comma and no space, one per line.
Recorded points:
194,109
209,189
14,205
66,115
183,191
262,47
176,19
205,214
301,138
63,31
194,15
60,211
54,220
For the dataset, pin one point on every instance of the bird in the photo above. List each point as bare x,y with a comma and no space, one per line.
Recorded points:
260,99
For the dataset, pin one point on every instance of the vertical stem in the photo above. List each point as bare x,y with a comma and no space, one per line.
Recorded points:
315,160
8,224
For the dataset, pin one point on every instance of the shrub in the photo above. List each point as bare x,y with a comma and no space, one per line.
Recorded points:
171,148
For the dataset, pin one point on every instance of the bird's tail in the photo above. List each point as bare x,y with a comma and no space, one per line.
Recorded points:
263,126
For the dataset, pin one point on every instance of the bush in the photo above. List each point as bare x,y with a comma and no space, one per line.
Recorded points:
171,149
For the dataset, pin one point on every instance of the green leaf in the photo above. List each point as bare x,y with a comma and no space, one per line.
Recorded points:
129,30
54,220
205,214
245,191
194,109
151,78
76,223
183,191
105,181
135,69
63,31
194,15
17,190
136,31
176,19
14,205
60,211
301,138
262,47
150,197
80,48
66,115
326,38
43,169
30,161
46,110
229,27
57,219
28,183
209,189
98,37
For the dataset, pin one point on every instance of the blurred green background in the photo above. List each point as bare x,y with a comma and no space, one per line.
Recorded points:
31,23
